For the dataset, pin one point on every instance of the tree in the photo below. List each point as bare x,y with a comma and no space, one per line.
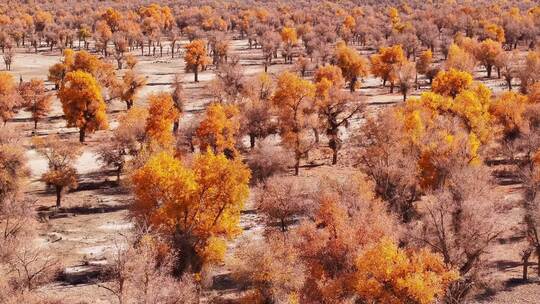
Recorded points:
120,48
196,57
282,200
131,61
61,157
451,82
388,274
460,222
293,101
36,98
229,82
460,59
57,72
128,88
256,120
13,167
83,105
509,113
406,75
346,219
131,130
424,64
161,116
385,63
219,128
268,159
352,65
385,157
506,67
335,108
8,55
290,39
143,273
10,100
272,266
196,208
487,52
529,74
178,97
270,41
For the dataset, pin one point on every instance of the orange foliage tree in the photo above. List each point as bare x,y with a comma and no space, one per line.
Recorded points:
128,88
219,128
385,63
509,113
451,82
197,207
334,106
388,274
351,64
10,100
82,103
487,52
293,100
289,38
196,57
161,116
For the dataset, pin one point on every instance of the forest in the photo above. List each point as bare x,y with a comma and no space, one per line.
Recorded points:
269,152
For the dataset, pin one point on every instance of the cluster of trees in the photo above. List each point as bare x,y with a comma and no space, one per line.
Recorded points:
24,264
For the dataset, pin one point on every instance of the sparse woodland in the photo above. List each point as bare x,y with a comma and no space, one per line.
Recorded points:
269,152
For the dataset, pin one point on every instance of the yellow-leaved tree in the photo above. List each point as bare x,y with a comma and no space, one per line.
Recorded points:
196,57
161,115
352,65
10,100
290,39
385,64
219,128
388,274
451,82
197,207
335,107
82,102
293,101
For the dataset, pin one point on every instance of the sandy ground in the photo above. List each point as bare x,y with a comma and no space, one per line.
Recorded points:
86,238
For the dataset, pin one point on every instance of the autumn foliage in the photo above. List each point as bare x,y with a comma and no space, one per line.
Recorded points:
83,103
388,274
161,116
196,206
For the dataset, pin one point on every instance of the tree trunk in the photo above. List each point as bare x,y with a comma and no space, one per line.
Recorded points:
175,127
82,133
526,256
538,257
297,166
352,84
58,196
35,124
488,68
334,155
196,72
252,141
